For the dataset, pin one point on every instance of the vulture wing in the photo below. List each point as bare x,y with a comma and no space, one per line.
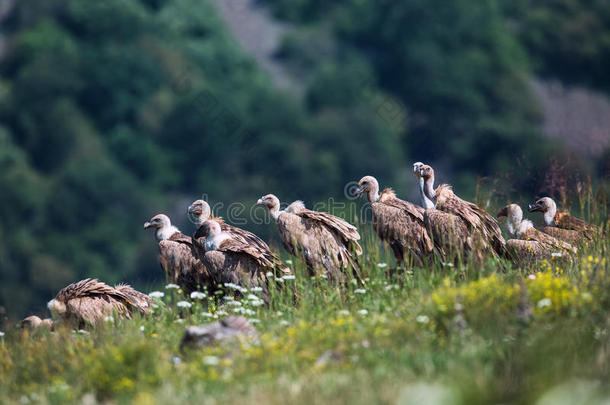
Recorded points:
547,240
566,235
180,260
448,232
564,220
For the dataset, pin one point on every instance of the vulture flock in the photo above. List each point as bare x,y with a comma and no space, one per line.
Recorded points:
445,227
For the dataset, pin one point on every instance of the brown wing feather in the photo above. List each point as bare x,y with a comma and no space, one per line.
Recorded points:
389,198
448,232
564,220
344,230
479,222
180,259
140,300
547,240
566,235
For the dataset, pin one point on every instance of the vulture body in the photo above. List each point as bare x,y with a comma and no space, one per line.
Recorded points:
178,256
233,261
327,244
398,223
34,322
562,225
89,301
485,234
202,212
530,242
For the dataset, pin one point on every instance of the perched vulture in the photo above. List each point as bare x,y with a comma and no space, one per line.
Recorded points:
483,228
397,222
178,257
232,327
233,261
201,211
560,224
89,301
34,322
448,232
538,244
327,244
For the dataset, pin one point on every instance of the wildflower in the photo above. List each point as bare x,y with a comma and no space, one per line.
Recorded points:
227,298
422,319
183,304
343,312
211,360
109,319
254,320
142,328
366,344
1,334
269,274
458,306
324,276
256,289
288,261
221,313
391,286
179,320
532,277
198,295
447,264
359,291
156,294
545,302
363,312
284,322
288,277
176,360
247,311
172,286
556,254
382,265
279,280
253,297
234,303
207,314
82,332
153,335
257,303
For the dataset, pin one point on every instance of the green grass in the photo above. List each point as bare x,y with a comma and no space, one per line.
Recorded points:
477,334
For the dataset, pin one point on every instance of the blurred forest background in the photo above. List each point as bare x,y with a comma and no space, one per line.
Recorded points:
114,110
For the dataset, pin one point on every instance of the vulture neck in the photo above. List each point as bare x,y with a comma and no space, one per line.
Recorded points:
373,194
426,202
549,216
429,193
213,241
166,232
275,212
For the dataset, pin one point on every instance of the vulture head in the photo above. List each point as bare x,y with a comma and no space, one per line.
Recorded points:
426,178
417,168
163,226
213,234
368,185
210,228
56,307
426,172
515,224
200,210
548,208
272,202
34,322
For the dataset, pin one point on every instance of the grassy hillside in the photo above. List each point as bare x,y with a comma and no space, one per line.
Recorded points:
478,334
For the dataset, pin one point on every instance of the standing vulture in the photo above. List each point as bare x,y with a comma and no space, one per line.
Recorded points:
178,257
483,228
530,242
397,222
201,211
89,301
327,244
233,261
448,232
560,224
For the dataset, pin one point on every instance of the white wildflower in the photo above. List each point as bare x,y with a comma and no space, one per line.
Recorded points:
363,312
176,360
207,315
254,320
382,265
1,334
179,320
253,297
279,280
247,311
142,328
269,274
234,303
184,304
288,261
257,303
211,360
156,294
343,312
360,291
83,332
532,277
422,319
557,254
172,286
256,289
545,302
458,306
221,313
288,277
324,276
284,323
109,319
198,295
447,264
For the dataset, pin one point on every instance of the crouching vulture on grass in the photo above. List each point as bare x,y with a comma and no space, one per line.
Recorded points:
562,225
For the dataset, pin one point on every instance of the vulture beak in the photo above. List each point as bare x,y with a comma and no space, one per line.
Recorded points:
534,207
502,213
358,192
260,201
193,210
147,225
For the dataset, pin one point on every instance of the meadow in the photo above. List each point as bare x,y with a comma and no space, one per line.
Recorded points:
479,333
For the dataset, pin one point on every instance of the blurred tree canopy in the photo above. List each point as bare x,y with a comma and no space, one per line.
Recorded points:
113,111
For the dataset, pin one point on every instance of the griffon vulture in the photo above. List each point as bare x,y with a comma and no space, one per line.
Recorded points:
233,261
484,230
327,244
201,211
560,224
539,243
397,222
34,322
89,301
178,256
